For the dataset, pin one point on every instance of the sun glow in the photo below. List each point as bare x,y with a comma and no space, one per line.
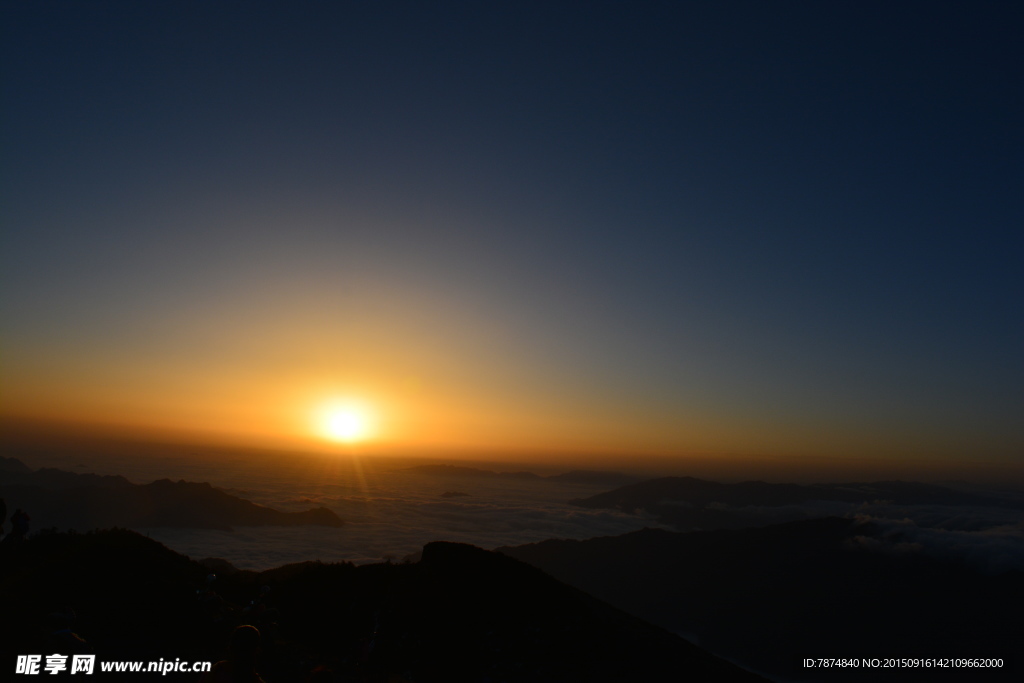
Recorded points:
345,422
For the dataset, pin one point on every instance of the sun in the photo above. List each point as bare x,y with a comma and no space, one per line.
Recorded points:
347,422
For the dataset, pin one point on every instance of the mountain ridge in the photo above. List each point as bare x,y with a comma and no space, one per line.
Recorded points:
691,504
766,596
71,500
460,614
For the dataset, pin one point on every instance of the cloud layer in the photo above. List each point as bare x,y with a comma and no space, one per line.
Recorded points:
391,512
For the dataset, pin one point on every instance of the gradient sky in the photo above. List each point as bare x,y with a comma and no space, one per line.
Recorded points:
647,227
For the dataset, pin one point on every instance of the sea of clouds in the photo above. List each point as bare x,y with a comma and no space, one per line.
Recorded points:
391,511
398,529
989,539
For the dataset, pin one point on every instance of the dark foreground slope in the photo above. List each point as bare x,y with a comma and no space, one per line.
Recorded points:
69,500
769,597
460,614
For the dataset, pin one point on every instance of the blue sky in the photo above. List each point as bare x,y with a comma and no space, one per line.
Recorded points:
799,222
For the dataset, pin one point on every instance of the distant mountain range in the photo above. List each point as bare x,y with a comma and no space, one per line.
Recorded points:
575,476
69,500
768,597
460,614
691,504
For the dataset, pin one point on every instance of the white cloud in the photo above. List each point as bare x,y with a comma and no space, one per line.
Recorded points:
992,550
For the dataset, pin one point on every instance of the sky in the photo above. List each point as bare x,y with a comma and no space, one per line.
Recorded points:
673,228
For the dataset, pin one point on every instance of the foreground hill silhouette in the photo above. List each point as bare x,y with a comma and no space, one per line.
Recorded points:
459,614
767,597
70,500
691,504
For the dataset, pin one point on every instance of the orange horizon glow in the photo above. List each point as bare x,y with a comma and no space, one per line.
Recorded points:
427,382
84,438
392,423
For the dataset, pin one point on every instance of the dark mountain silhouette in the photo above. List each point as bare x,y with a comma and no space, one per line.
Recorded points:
768,597
460,614
13,465
695,504
68,500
